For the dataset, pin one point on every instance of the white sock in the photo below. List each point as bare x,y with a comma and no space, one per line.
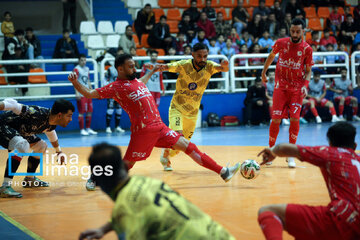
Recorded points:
7,182
223,170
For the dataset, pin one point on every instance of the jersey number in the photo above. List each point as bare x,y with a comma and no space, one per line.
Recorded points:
296,108
161,195
356,164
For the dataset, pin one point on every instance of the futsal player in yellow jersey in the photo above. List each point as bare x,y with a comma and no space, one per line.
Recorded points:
194,76
146,208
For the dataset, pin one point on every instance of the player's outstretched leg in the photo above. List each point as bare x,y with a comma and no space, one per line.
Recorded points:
165,159
293,134
204,160
271,219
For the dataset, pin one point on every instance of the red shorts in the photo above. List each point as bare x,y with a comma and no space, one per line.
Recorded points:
321,103
84,105
156,96
313,223
286,102
142,142
347,99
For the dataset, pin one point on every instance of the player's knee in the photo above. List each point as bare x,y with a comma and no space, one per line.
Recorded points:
39,147
110,111
20,144
118,111
276,121
181,144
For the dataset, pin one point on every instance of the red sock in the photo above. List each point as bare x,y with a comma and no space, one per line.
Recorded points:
273,133
88,120
270,111
332,111
293,131
355,109
341,109
314,111
81,122
271,225
202,159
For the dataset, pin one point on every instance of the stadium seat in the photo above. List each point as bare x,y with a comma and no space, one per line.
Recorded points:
252,3
144,42
215,4
341,11
87,28
2,44
37,78
140,52
227,3
173,14
173,26
182,3
134,4
95,42
165,3
160,51
307,36
136,40
315,24
323,12
112,41
2,79
153,3
269,3
120,26
310,12
105,27
200,3
158,13
250,11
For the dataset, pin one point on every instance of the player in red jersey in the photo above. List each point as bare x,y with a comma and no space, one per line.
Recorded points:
340,167
147,129
292,76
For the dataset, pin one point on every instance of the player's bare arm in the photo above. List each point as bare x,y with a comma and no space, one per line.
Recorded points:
147,76
280,150
162,67
268,62
88,93
224,66
307,78
96,233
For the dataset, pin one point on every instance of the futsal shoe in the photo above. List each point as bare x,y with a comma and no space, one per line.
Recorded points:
166,163
341,118
108,130
285,121
268,163
9,192
334,118
318,119
30,182
356,118
90,185
303,121
230,172
84,132
119,130
90,131
291,162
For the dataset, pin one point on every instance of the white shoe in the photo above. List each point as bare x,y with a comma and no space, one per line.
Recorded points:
268,163
291,162
165,161
318,119
286,121
341,118
356,118
108,130
119,130
90,131
334,119
84,132
230,172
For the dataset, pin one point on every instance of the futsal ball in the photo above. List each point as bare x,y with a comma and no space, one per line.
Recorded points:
250,169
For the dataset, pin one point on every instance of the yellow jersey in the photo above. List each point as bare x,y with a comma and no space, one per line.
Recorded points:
190,85
147,208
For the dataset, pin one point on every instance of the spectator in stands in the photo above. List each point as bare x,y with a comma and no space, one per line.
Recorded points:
187,50
145,21
342,48
210,12
272,25
266,42
270,86
315,39
256,100
205,24
181,42
278,11
160,35
235,39
229,50
18,41
324,41
193,12
7,28
69,9
222,27
334,21
137,63
347,10
342,88
221,41
214,50
356,13
66,47
200,38
256,27
246,39
294,9
127,41
348,31
18,68
357,48
317,60
287,23
240,17
331,59
35,44
262,10
256,61
187,27
282,33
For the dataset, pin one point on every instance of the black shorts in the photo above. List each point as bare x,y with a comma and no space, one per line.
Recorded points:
7,133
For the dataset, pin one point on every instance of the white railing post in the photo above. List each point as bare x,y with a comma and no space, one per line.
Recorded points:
353,67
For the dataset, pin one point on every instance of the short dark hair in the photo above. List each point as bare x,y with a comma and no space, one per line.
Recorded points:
82,56
120,49
29,29
66,31
298,21
6,13
257,79
163,16
128,26
148,5
343,69
326,30
193,1
317,73
348,15
200,46
329,45
19,32
314,32
154,51
121,59
342,134
62,106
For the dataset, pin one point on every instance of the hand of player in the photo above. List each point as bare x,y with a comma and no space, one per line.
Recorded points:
224,63
89,234
60,158
263,77
157,68
267,155
304,91
73,77
148,66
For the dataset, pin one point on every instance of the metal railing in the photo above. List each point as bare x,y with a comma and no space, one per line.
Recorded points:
246,67
354,65
221,87
60,84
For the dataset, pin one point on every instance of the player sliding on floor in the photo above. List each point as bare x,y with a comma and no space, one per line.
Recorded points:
147,129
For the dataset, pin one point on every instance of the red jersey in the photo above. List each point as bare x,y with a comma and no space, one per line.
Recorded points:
136,99
290,67
340,168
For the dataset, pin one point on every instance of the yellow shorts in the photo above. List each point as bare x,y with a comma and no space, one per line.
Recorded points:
180,122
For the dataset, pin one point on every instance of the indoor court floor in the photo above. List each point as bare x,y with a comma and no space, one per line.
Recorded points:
65,209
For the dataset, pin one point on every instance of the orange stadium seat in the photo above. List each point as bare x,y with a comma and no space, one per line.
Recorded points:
173,26
200,3
226,17
269,3
252,3
307,36
140,52
165,3
144,42
315,24
158,13
341,11
173,14
323,12
37,78
160,51
250,11
228,3
214,3
2,79
310,12
181,3
136,40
